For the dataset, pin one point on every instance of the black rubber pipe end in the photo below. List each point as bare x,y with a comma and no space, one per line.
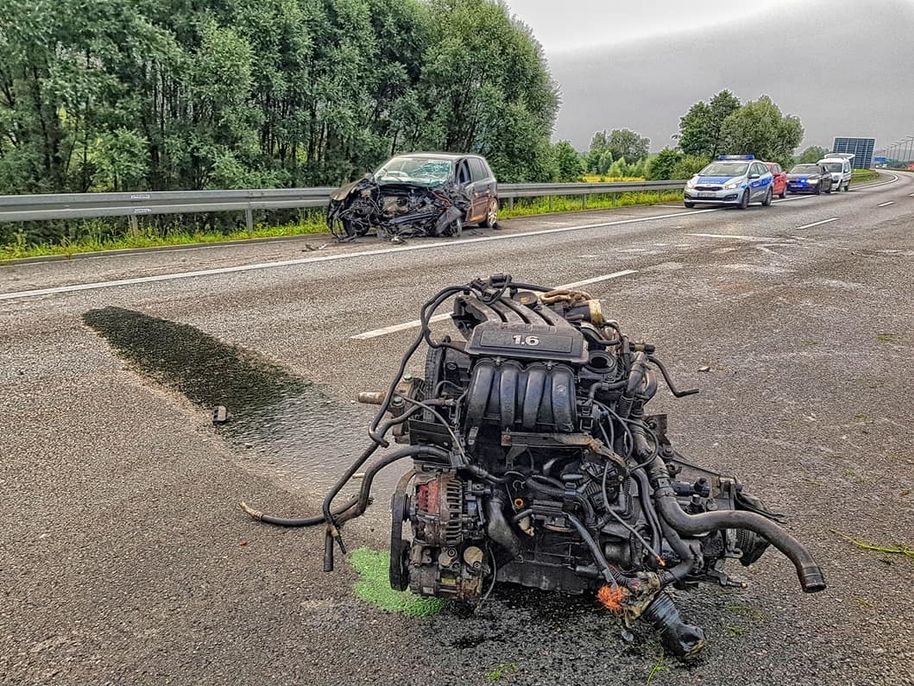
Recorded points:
811,579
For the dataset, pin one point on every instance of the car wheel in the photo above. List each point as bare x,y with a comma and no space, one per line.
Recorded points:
768,196
818,190
491,218
688,204
782,194
847,187
456,228
830,189
744,201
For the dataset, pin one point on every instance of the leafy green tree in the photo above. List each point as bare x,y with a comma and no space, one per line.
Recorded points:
662,164
628,144
812,154
759,128
568,162
618,169
688,166
700,129
121,158
487,88
598,158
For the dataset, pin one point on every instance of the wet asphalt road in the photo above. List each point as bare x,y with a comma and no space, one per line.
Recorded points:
124,560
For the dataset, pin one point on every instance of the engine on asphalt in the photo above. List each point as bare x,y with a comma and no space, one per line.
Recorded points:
535,461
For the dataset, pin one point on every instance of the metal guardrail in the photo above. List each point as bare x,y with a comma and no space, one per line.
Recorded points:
20,208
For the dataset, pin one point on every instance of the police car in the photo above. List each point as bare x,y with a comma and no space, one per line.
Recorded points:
731,180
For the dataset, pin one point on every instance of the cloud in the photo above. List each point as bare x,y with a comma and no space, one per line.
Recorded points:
843,67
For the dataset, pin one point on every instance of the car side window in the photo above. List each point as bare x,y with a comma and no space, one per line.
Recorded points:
463,173
477,169
758,169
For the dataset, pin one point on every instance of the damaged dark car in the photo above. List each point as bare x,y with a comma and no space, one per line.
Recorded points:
417,194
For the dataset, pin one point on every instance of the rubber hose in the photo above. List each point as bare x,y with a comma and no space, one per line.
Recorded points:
809,573
611,575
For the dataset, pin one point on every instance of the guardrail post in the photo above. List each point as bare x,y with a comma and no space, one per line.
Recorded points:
134,225
249,218
550,203
511,203
583,200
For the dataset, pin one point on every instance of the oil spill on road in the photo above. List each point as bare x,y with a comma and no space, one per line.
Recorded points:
284,421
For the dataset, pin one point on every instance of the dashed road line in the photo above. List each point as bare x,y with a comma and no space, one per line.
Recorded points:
824,221
886,204
441,317
344,256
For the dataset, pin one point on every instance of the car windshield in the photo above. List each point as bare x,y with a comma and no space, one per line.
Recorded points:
805,169
423,171
834,166
725,169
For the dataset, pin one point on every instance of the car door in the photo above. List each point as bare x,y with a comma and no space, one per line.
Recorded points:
757,181
482,187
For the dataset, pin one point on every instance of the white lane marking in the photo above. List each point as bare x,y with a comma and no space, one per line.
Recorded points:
441,317
911,195
886,204
397,327
330,258
726,235
824,221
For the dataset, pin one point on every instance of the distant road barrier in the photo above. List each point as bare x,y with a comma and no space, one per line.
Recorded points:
20,208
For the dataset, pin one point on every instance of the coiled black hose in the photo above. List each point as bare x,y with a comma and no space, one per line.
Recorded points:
811,577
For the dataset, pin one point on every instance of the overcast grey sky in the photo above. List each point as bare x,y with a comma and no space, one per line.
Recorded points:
845,67
576,24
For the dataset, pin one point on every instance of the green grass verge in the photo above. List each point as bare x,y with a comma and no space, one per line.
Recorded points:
864,175
97,237
525,207
373,586
154,238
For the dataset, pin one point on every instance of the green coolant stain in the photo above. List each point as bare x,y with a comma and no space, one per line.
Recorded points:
373,586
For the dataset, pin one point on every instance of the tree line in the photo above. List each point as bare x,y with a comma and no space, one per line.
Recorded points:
723,125
195,94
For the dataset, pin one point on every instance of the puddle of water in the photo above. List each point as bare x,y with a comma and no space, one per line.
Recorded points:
282,421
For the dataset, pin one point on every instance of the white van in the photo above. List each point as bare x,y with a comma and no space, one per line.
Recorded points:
839,166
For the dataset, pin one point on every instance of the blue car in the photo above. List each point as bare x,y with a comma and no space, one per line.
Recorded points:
735,180
809,178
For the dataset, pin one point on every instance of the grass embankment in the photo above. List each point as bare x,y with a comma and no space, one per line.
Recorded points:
864,175
153,237
96,236
525,207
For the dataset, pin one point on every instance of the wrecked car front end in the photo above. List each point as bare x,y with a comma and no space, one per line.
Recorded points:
407,197
396,210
